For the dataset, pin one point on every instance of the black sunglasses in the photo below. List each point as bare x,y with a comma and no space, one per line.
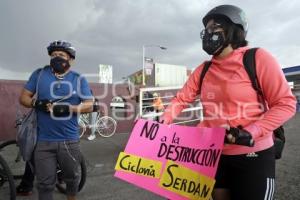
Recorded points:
210,29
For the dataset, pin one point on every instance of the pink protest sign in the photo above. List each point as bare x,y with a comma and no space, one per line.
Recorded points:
177,162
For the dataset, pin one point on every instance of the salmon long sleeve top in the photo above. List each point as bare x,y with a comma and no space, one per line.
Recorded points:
228,98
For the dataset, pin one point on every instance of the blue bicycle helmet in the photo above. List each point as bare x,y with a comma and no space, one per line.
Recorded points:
60,45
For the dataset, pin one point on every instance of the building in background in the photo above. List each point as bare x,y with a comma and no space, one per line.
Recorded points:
161,75
105,73
292,75
169,75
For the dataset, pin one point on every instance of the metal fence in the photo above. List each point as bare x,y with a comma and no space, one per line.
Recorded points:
192,113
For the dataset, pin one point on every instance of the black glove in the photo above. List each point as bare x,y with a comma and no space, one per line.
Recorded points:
41,104
242,137
96,108
61,110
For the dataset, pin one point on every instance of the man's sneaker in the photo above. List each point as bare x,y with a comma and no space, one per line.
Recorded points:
91,137
23,191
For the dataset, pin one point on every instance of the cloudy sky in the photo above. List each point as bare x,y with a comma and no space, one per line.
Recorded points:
114,31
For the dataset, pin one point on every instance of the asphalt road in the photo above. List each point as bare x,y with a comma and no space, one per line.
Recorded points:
101,155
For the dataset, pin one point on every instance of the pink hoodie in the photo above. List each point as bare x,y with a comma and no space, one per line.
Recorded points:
228,98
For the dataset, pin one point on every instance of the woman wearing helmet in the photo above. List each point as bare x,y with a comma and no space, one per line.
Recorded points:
246,169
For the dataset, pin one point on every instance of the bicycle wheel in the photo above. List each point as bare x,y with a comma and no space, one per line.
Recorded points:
61,185
82,128
83,121
106,126
11,154
7,184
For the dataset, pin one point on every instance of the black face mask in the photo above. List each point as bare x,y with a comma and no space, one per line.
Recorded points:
211,42
59,65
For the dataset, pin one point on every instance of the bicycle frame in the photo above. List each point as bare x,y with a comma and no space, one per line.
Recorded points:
104,125
8,191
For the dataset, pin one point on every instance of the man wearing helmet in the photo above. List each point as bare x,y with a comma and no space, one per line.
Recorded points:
246,169
60,95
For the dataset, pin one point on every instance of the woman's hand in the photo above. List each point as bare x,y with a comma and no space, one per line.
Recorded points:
239,136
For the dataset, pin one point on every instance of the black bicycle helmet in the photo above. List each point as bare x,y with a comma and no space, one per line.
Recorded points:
60,45
232,13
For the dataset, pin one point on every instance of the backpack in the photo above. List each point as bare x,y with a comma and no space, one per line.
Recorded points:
250,67
27,130
27,135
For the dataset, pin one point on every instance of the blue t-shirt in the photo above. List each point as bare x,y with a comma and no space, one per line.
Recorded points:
73,86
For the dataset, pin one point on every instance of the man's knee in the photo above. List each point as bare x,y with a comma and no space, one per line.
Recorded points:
44,187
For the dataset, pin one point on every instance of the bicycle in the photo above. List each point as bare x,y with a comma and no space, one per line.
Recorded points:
16,165
61,185
7,183
105,126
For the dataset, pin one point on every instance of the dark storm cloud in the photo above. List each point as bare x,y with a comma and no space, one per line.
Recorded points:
28,26
114,31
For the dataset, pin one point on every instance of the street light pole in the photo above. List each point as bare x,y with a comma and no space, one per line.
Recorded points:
143,75
144,51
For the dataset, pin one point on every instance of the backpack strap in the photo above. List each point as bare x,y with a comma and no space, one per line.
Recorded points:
204,70
249,62
40,71
250,67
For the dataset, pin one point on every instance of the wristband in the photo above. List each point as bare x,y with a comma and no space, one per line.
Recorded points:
33,102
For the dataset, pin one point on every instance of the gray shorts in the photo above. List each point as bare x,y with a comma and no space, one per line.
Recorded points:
47,156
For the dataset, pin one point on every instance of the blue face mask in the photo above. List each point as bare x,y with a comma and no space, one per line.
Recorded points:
213,43
59,65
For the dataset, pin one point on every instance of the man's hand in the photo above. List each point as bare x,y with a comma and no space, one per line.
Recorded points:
239,136
42,104
164,120
161,121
